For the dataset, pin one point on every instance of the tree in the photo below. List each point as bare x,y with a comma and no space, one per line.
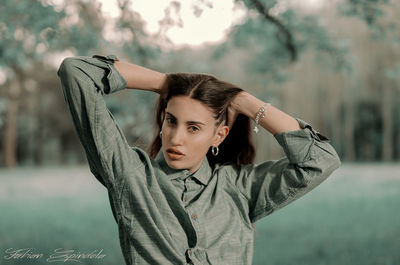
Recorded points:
30,30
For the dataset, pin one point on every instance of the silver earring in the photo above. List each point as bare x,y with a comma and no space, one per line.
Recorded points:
215,150
160,133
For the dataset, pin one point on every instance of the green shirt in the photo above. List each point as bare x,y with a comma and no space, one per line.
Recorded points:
169,216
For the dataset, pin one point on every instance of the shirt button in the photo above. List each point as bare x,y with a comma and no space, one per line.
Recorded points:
194,216
185,199
190,252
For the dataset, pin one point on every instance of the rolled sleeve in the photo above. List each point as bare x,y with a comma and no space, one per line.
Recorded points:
298,144
84,81
270,185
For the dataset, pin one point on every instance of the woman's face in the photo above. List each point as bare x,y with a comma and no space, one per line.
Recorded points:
188,131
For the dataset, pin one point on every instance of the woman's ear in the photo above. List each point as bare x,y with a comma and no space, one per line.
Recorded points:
221,134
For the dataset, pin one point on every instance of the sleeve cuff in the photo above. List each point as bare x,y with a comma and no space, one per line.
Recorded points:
314,133
110,57
115,80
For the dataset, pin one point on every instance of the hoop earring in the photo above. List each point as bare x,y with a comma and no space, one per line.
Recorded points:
215,150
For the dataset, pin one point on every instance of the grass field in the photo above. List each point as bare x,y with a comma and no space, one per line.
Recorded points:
352,218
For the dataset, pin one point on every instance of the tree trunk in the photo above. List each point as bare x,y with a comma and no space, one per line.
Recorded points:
349,121
387,119
30,146
10,135
39,138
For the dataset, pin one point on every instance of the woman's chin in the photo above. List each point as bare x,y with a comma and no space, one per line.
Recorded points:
174,164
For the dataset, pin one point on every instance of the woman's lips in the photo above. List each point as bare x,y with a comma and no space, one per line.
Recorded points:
174,154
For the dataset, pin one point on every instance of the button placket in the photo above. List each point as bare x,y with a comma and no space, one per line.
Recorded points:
190,189
194,216
195,255
189,256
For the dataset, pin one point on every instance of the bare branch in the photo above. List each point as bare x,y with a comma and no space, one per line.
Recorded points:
288,39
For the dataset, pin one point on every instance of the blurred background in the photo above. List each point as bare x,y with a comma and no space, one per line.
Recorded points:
334,64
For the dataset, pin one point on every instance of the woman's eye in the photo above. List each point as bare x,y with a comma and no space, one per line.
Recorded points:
193,128
170,120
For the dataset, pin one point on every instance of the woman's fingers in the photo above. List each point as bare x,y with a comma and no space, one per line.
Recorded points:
232,114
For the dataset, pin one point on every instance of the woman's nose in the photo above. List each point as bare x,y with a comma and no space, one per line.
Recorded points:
177,136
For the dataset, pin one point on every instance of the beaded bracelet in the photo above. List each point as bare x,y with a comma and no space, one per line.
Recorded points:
260,113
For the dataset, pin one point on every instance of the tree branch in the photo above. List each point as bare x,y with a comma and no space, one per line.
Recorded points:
288,39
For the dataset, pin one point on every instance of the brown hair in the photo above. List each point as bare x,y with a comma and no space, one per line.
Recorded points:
237,148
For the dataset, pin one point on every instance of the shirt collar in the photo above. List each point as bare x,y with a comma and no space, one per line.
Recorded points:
203,174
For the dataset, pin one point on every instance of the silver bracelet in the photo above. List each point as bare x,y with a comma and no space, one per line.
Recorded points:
260,113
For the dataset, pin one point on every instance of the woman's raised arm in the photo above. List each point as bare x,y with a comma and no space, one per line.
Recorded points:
85,81
275,120
138,77
270,185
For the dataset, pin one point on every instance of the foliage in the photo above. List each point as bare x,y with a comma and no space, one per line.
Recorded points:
25,28
32,29
269,55
136,43
82,29
369,11
256,54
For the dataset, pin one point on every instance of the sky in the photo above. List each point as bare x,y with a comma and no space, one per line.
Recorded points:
210,27
216,20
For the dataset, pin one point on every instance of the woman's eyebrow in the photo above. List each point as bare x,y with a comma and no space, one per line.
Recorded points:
188,122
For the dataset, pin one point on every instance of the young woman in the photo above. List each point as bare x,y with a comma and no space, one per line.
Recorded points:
194,197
